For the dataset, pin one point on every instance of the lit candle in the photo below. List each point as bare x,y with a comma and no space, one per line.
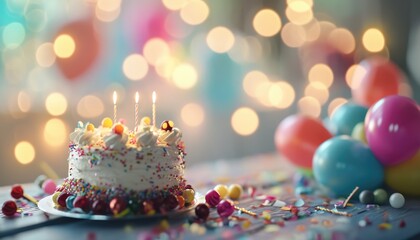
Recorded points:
136,110
154,108
115,106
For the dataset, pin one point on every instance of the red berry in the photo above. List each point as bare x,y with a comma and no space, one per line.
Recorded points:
82,202
117,205
61,200
17,191
202,211
99,207
9,208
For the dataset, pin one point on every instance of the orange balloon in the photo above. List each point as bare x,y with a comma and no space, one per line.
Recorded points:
86,51
297,137
381,79
405,177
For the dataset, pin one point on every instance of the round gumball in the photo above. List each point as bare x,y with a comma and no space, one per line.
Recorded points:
99,207
202,211
366,197
377,78
225,208
405,177
358,132
347,116
297,137
117,205
222,190
235,191
188,195
81,202
396,200
381,196
9,208
171,202
343,162
55,198
61,200
392,129
17,191
212,198
49,186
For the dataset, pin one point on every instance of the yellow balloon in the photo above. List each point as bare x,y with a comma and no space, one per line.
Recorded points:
405,177
359,132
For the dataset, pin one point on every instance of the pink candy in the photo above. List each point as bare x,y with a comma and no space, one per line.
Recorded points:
49,186
225,208
212,198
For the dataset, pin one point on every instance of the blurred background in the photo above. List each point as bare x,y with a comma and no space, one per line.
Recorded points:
226,72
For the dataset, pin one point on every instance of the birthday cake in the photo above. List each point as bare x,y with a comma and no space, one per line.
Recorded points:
113,170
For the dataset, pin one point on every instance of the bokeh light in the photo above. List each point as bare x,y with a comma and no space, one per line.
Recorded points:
293,35
90,106
165,66
24,152
108,5
309,106
321,73
184,76
373,40
220,39
343,40
299,5
312,30
192,114
174,5
24,101
194,12
13,35
64,46
267,23
334,104
281,94
55,132
299,18
108,11
135,67
36,19
354,75
45,55
56,104
244,121
317,90
155,49
251,81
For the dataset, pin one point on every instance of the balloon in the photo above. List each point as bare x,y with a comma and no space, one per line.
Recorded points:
381,79
86,51
405,177
342,163
392,129
297,137
347,116
358,132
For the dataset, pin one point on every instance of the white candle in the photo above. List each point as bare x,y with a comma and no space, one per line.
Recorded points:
115,106
136,111
154,108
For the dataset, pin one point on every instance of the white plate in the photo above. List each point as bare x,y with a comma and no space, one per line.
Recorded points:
47,205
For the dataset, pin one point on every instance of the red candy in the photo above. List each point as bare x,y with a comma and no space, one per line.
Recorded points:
99,207
212,198
9,208
117,205
61,200
202,211
171,202
82,202
17,191
225,208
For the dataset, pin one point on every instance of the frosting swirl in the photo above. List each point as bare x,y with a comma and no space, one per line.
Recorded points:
146,137
170,137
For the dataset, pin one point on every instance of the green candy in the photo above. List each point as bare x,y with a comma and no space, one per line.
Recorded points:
381,196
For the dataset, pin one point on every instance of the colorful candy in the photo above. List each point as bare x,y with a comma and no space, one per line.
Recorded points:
118,129
225,208
107,122
17,193
117,205
202,211
212,198
222,190
90,127
188,195
381,196
69,202
99,207
167,125
49,186
235,191
397,200
82,202
181,201
366,197
170,202
61,200
9,208
55,198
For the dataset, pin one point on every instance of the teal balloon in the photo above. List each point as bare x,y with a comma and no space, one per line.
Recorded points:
342,163
222,82
347,116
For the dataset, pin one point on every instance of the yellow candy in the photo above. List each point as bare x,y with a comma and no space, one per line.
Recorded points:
188,195
107,122
222,190
235,191
90,127
55,197
146,120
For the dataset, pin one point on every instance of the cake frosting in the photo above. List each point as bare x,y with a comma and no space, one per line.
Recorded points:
111,161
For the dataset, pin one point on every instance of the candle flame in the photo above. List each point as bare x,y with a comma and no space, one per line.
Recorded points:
154,96
137,97
114,97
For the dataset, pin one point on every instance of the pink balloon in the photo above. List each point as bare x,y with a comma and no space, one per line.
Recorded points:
392,128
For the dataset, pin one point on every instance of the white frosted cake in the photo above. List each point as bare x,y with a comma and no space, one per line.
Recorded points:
111,161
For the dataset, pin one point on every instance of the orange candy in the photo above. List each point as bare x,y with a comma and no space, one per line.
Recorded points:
181,201
118,129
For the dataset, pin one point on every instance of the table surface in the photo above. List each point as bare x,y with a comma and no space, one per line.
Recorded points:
273,181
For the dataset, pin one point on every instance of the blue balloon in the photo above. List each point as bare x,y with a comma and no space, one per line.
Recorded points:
342,163
347,116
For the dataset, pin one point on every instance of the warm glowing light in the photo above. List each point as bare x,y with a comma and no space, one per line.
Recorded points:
308,2
155,49
312,30
13,35
174,4
334,104
252,80
299,18
45,56
135,67
192,114
373,40
300,6
24,152
309,106
154,97
64,46
194,12
90,107
165,66
114,97
281,95
267,23
343,40
261,93
293,35
56,104
321,73
24,101
137,97
108,5
184,76
107,16
220,39
318,91
245,121
350,74
55,132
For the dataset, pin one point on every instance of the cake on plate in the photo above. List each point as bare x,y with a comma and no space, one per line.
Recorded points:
114,170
